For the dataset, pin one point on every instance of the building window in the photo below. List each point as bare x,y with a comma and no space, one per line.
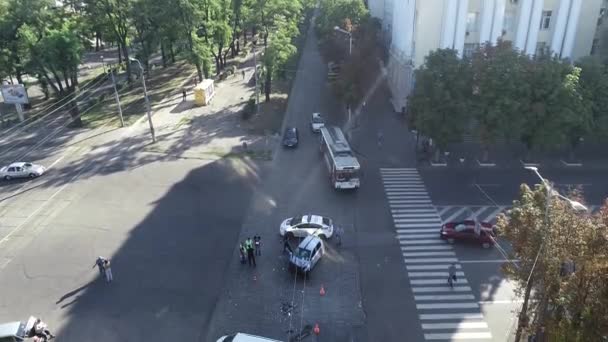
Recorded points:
507,23
595,46
541,49
545,20
472,22
469,49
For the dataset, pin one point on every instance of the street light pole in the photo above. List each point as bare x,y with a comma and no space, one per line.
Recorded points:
122,121
103,65
576,206
350,53
255,68
143,82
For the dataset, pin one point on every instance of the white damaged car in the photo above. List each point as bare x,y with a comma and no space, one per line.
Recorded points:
302,226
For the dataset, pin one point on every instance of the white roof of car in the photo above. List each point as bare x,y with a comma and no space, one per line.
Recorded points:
18,164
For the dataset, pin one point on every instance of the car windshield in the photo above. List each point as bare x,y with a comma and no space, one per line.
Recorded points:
302,253
326,221
295,220
290,133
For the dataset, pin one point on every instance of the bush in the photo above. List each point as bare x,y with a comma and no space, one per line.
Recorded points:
249,109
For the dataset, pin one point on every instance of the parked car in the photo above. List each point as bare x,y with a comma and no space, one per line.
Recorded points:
17,331
316,122
469,231
21,170
308,254
302,226
241,337
290,137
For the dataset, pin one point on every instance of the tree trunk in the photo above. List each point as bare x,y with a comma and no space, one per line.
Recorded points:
125,51
163,54
267,85
18,75
97,40
172,53
217,64
245,36
523,314
74,110
119,48
238,46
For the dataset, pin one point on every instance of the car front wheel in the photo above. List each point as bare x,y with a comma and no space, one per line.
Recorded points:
7,177
32,175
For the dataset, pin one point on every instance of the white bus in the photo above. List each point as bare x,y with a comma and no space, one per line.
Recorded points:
341,162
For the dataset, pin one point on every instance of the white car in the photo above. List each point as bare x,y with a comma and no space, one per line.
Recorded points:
316,122
21,170
240,337
302,226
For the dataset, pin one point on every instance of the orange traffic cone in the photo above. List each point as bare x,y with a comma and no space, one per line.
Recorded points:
316,329
322,291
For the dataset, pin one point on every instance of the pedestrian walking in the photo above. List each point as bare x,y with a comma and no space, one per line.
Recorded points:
250,252
258,245
99,264
452,274
243,73
242,253
41,330
183,94
380,139
108,270
338,234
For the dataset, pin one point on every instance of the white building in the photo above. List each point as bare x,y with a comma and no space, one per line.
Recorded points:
564,27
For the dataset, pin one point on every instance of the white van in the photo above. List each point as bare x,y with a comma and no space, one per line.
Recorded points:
308,253
240,337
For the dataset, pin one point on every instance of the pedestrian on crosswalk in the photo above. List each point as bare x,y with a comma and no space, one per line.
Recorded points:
452,274
380,138
250,252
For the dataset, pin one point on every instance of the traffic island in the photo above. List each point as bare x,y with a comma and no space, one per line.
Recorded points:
529,163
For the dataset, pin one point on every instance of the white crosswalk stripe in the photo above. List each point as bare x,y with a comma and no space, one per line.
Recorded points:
446,312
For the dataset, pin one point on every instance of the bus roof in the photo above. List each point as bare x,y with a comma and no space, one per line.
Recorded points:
342,154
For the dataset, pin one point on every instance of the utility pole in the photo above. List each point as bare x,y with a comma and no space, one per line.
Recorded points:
122,121
255,66
143,82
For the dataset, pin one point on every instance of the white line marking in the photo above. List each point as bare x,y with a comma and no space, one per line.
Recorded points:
443,210
486,302
426,248
441,281
494,214
418,225
456,214
495,261
459,336
429,267
416,236
447,306
422,230
398,169
459,325
445,297
416,214
413,220
411,206
461,316
429,260
433,274
421,242
435,289
421,254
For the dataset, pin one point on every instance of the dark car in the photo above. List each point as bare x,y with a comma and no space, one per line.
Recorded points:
290,137
469,231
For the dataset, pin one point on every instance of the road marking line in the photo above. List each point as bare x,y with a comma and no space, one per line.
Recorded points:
461,316
421,230
430,267
459,325
416,236
459,336
418,254
514,301
477,212
456,214
426,248
494,213
443,210
433,274
398,169
405,186
447,306
417,219
445,297
411,206
388,182
441,281
419,225
435,289
429,214
421,242
495,261
429,260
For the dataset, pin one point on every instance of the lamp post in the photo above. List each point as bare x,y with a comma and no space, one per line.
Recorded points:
577,206
143,82
255,68
350,38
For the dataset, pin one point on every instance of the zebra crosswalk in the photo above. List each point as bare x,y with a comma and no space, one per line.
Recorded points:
449,213
446,313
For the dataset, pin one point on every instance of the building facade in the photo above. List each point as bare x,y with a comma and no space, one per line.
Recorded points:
566,28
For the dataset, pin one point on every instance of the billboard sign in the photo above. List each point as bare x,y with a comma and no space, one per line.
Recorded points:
14,94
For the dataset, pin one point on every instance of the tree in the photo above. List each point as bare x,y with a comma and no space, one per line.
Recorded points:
594,84
499,93
439,102
334,13
562,266
276,55
217,30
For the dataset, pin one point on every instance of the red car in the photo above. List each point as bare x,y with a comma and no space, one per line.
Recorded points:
469,230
